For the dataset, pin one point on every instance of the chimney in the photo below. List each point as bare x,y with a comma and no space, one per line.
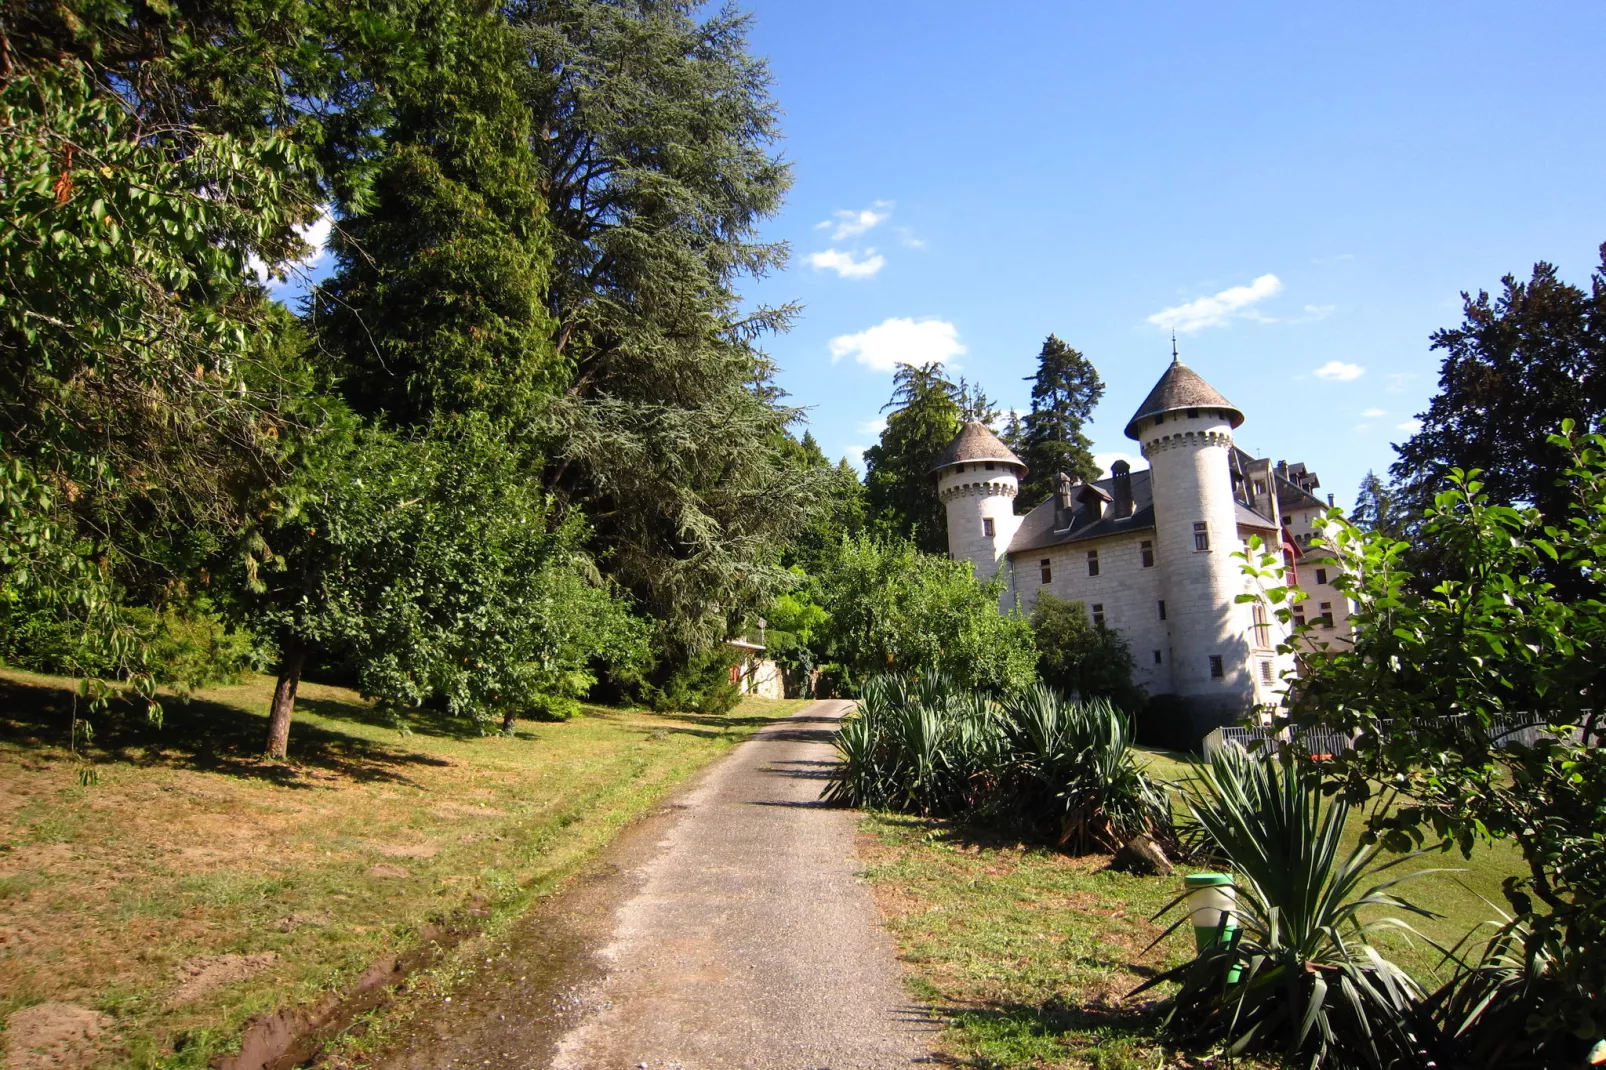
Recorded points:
1122,473
1064,500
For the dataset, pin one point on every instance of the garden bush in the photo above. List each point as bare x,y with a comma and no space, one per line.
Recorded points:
1299,977
1059,770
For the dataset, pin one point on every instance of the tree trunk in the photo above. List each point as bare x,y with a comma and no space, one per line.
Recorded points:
284,700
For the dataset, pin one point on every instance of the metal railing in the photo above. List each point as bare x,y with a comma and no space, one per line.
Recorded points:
1503,732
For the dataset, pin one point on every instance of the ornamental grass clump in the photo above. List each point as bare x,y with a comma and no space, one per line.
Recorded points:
1299,977
1061,770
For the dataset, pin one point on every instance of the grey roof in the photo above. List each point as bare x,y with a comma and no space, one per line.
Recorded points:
1181,388
1037,532
976,442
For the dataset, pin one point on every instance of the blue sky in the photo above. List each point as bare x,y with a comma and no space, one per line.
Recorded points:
1301,192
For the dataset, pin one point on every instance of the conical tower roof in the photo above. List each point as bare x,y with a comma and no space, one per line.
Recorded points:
1181,388
976,442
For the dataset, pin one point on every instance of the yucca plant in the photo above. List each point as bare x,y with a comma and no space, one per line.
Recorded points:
1300,976
1074,768
1485,1015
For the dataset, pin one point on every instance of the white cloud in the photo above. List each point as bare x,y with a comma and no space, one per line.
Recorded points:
873,427
854,455
1397,381
848,265
1216,310
1336,371
1105,460
846,224
1372,414
315,234
1410,427
899,340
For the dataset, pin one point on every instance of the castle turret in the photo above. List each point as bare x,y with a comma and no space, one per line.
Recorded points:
1185,429
977,480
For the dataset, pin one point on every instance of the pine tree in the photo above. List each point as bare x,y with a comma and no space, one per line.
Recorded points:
926,412
1376,508
1064,391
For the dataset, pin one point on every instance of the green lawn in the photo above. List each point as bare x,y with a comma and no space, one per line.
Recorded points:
1030,952
197,885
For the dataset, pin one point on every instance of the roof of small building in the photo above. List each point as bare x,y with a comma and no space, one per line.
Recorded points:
976,442
1181,388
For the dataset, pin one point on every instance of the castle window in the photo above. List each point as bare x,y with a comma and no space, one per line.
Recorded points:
1092,562
1193,414
1262,626
1160,419
987,526
1217,671
1321,575
1158,660
1098,614
987,465
1045,569
1201,536
1327,614
1146,553
1265,672
1161,605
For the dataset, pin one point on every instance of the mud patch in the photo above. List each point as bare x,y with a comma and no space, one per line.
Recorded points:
386,869
55,1036
199,976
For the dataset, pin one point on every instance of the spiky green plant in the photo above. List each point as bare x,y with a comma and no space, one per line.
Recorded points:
1308,984
1065,770
1074,768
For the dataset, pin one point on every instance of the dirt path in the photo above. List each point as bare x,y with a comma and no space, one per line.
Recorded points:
729,931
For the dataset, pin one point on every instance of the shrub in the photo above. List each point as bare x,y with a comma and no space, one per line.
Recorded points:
1080,658
1299,976
1062,770
892,609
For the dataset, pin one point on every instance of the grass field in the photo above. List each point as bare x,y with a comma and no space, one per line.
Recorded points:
196,885
1029,952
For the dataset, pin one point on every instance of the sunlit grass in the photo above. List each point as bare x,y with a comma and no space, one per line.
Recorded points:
191,846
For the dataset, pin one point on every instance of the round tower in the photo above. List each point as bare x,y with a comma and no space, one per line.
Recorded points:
1185,430
977,480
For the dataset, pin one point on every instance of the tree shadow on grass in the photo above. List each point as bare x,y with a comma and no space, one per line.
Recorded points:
1036,1031
202,735
423,720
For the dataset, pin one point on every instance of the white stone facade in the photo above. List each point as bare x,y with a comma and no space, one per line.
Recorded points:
1152,554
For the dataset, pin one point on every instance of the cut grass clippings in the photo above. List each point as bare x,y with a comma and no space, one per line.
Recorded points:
1028,953
197,885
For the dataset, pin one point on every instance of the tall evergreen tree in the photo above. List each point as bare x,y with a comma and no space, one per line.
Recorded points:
1518,365
924,415
1064,391
656,133
1377,508
437,304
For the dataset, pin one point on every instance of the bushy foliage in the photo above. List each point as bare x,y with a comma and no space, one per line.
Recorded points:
1063,771
894,609
1298,978
1079,657
1441,670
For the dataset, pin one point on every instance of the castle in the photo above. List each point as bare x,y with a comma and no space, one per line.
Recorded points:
1150,553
